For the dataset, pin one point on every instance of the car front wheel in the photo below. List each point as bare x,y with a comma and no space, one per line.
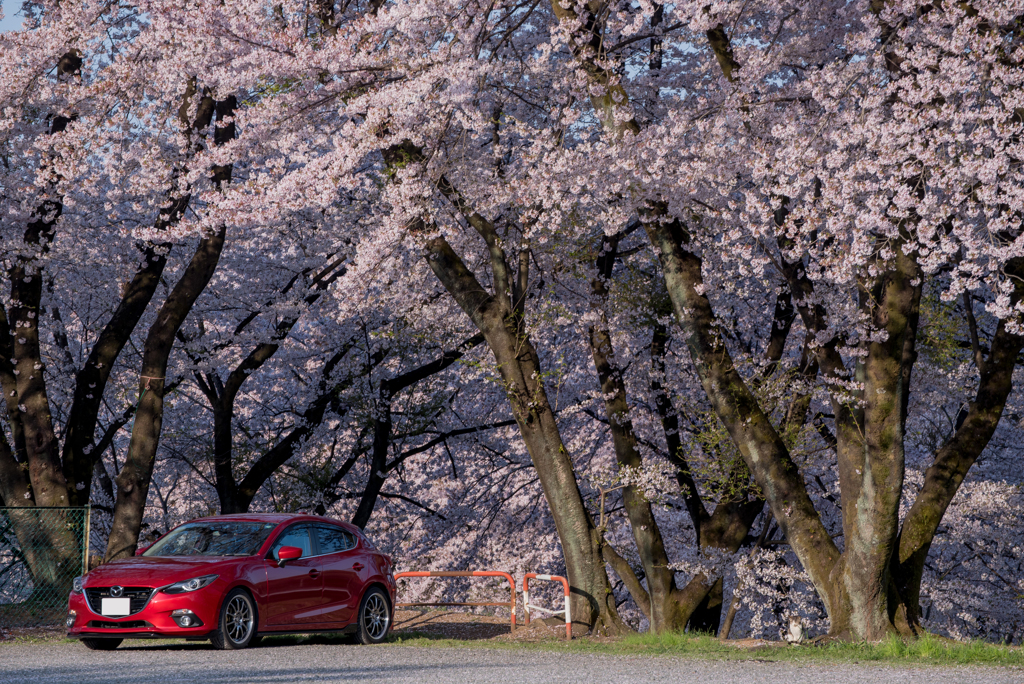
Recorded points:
237,625
374,617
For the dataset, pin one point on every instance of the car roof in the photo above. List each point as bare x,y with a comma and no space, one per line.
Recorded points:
277,518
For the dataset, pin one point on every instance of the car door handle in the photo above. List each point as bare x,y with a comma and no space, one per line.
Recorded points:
314,573
357,566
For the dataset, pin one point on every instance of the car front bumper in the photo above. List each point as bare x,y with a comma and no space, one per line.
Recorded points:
153,621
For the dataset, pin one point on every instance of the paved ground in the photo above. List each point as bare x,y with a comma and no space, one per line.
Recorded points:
136,663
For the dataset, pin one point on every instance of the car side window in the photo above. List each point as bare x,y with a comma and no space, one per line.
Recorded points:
334,539
296,535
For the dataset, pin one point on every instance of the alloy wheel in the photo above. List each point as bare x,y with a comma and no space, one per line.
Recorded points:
238,622
375,617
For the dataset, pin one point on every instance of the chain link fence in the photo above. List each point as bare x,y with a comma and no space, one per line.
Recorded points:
41,551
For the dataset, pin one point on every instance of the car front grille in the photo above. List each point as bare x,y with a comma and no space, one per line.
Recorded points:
139,597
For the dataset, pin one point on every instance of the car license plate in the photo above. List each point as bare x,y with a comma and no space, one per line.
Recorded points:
115,606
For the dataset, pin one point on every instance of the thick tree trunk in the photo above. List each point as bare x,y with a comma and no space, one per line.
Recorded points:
32,475
761,446
136,474
517,362
870,452
699,604
863,596
32,405
80,453
135,477
665,613
727,527
954,459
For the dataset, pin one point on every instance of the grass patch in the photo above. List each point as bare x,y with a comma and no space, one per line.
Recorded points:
928,650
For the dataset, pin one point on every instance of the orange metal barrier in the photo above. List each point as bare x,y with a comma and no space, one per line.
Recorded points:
566,610
470,573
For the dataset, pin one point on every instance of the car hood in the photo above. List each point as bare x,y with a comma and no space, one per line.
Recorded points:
155,571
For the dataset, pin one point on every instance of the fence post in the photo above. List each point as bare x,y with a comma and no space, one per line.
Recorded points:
567,610
85,538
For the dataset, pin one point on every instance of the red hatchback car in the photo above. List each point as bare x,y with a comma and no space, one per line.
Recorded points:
234,578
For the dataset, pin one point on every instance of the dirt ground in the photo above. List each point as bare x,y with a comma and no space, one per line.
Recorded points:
471,627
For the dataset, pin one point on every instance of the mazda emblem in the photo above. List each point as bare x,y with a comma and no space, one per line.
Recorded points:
116,591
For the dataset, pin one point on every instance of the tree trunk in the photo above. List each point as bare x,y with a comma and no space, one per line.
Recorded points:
33,475
665,614
520,370
136,474
870,453
134,479
224,477
222,395
954,459
707,616
699,604
378,458
761,446
80,453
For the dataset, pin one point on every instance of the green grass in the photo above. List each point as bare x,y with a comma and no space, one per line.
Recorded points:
928,650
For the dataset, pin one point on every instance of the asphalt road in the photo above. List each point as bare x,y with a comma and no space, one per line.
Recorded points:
136,663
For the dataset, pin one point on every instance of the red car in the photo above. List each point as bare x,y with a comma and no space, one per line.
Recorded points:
235,578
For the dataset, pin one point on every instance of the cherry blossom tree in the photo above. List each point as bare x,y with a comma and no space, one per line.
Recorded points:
757,256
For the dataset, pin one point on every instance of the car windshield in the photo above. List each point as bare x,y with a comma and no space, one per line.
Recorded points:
213,539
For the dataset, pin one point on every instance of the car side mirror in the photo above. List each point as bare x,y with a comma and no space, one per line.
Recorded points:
287,553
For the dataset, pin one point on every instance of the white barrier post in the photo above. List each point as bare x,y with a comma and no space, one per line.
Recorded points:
567,610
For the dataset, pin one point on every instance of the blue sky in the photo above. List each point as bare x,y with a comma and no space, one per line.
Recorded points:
10,21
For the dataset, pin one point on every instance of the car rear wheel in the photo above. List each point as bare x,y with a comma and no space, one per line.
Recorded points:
237,625
102,644
374,617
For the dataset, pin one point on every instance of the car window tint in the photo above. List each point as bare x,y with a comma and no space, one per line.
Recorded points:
297,535
334,539
213,538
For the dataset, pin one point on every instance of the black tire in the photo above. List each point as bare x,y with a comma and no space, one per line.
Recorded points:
374,618
102,644
238,620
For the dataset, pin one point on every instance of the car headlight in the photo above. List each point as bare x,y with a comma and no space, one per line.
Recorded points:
76,585
189,585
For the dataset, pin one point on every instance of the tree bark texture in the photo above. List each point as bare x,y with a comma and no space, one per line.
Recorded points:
31,472
134,479
763,449
665,612
954,459
520,371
